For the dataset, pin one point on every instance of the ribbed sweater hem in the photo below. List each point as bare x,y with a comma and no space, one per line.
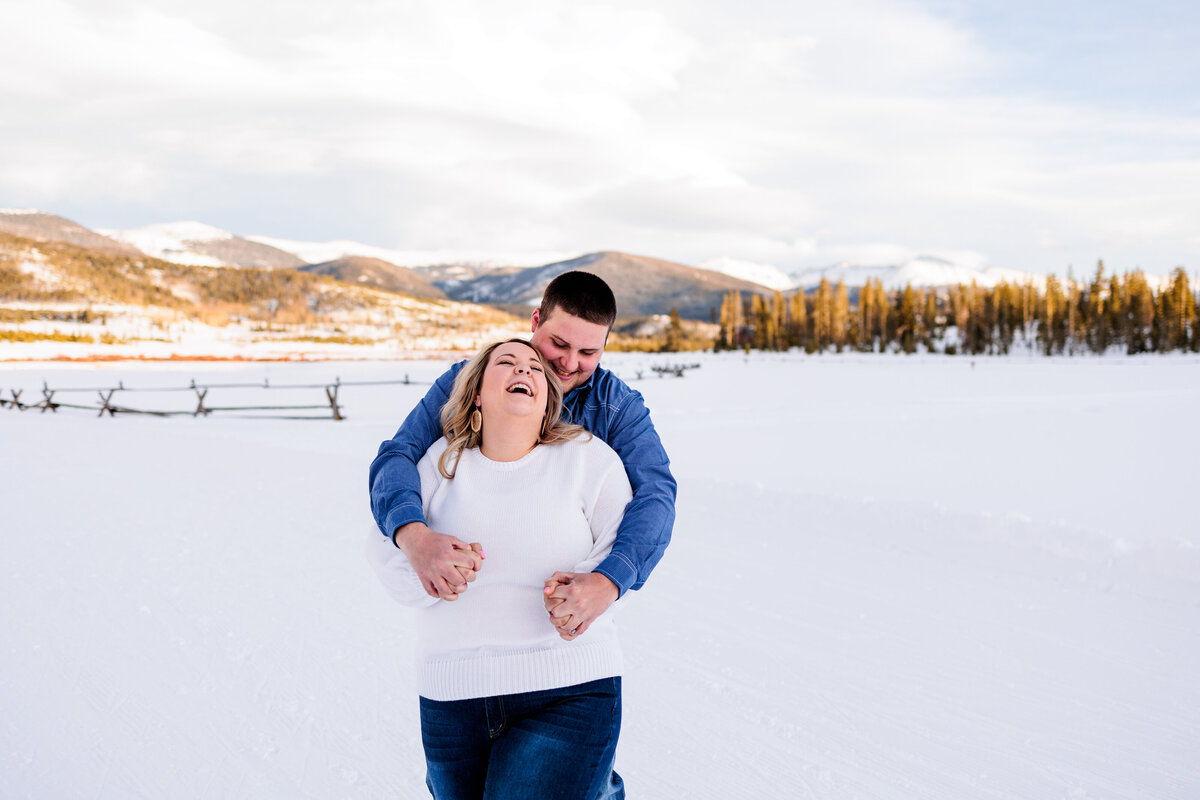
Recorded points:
488,674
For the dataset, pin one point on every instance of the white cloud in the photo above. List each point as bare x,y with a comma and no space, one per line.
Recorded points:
801,134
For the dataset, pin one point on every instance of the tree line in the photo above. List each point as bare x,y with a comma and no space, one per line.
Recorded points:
1109,312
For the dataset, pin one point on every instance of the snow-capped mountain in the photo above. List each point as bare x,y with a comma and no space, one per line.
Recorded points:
916,272
318,252
199,245
767,275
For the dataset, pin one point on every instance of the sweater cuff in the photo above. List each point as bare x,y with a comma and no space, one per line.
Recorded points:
401,515
618,570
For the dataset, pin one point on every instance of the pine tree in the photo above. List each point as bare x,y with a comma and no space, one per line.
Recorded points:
1052,331
981,320
906,319
883,319
929,320
1028,313
822,330
1178,312
674,342
1096,313
1141,313
737,314
799,319
1003,307
841,315
778,322
726,334
1196,324
759,319
1118,310
873,304
1073,336
962,313
865,302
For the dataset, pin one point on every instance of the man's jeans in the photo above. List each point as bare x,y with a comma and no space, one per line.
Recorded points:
557,743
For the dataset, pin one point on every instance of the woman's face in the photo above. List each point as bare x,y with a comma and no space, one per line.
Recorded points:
514,382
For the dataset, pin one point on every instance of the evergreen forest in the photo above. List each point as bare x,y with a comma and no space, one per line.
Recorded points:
1121,313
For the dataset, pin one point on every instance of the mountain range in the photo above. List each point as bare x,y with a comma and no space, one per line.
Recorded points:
376,272
644,285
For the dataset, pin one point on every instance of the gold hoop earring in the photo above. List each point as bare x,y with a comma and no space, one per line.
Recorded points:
476,421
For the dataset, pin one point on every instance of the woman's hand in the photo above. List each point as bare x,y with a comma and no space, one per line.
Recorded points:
445,564
574,600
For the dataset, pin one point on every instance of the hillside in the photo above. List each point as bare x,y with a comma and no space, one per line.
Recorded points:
44,227
364,271
55,292
201,245
643,286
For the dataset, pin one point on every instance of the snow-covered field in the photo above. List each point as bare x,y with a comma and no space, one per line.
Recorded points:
891,578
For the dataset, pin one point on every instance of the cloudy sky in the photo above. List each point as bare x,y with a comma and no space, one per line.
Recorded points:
1023,133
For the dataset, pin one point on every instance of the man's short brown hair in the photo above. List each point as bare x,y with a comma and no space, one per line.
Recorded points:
583,295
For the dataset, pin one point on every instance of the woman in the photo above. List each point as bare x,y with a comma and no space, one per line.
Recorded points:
509,709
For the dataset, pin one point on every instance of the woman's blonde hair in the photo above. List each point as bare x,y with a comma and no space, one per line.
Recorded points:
456,413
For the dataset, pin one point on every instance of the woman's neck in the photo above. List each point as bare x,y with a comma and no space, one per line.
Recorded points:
509,439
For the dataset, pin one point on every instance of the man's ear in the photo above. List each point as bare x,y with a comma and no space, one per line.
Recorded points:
536,319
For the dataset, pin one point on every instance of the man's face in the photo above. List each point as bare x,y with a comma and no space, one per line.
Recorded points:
572,345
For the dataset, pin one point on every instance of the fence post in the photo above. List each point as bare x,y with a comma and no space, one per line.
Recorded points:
107,406
48,402
200,409
331,392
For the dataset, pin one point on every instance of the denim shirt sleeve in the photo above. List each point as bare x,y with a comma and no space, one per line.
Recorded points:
394,480
645,530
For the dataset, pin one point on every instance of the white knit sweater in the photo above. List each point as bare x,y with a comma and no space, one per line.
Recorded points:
557,508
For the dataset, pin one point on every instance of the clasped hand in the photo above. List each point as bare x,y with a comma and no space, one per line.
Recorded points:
446,565
575,600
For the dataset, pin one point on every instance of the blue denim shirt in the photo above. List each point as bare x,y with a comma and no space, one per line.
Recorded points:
604,405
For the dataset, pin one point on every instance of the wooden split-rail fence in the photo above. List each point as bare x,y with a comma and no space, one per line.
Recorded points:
107,404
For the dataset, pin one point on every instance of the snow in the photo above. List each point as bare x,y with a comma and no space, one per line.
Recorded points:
46,277
763,274
320,252
933,271
20,212
920,271
891,577
852,274
172,241
399,326
176,232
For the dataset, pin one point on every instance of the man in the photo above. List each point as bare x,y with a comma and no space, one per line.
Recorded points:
570,329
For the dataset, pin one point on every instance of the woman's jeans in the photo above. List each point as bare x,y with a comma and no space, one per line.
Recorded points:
557,743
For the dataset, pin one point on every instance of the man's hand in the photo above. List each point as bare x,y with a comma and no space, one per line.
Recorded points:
445,564
577,599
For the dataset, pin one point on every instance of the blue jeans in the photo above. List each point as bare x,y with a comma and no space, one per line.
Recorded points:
557,743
